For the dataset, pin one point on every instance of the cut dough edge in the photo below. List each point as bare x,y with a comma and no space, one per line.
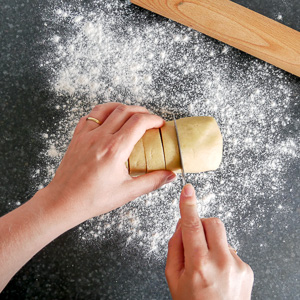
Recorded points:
137,159
201,145
170,145
162,146
154,151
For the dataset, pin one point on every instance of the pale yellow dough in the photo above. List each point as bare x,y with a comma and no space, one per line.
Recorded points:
201,144
171,150
153,150
137,159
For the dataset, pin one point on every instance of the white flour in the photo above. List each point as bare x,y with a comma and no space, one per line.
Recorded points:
110,53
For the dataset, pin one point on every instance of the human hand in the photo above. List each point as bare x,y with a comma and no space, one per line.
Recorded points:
92,178
200,265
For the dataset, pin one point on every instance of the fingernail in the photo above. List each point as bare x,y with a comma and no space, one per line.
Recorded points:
188,190
171,178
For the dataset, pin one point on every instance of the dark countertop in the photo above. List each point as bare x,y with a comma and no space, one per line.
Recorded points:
32,109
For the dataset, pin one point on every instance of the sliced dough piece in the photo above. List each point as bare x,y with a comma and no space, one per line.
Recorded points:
171,150
201,143
137,159
154,152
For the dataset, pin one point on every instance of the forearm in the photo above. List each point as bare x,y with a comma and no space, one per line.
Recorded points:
29,228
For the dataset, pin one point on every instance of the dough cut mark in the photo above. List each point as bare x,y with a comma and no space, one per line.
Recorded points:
145,154
128,164
153,150
137,159
180,151
162,145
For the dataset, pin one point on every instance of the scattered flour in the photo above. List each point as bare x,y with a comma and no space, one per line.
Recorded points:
279,17
112,53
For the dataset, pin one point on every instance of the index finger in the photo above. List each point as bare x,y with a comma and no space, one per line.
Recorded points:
193,235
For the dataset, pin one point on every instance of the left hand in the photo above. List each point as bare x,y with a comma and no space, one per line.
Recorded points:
92,178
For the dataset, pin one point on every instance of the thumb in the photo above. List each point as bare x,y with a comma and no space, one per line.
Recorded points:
147,183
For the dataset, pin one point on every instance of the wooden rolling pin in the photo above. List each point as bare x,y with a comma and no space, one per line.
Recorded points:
237,26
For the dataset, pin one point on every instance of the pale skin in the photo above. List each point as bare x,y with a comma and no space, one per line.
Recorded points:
199,265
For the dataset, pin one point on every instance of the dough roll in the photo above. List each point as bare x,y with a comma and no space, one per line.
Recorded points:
170,145
137,160
154,152
201,145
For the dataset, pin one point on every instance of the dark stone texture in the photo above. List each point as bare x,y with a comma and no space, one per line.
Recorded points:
65,271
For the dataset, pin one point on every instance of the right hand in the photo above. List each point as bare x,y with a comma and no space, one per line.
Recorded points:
200,264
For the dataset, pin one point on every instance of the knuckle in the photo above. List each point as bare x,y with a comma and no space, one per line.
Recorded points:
249,271
201,258
97,107
137,118
168,272
122,108
111,104
243,267
246,270
205,279
225,262
214,222
112,148
140,108
200,274
192,223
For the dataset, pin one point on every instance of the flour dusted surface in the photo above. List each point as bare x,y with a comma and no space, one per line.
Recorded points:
110,54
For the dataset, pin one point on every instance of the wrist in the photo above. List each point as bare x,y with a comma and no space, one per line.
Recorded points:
47,215
30,227
59,208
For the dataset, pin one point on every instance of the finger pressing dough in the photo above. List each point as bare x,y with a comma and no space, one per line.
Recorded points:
155,159
201,143
137,159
